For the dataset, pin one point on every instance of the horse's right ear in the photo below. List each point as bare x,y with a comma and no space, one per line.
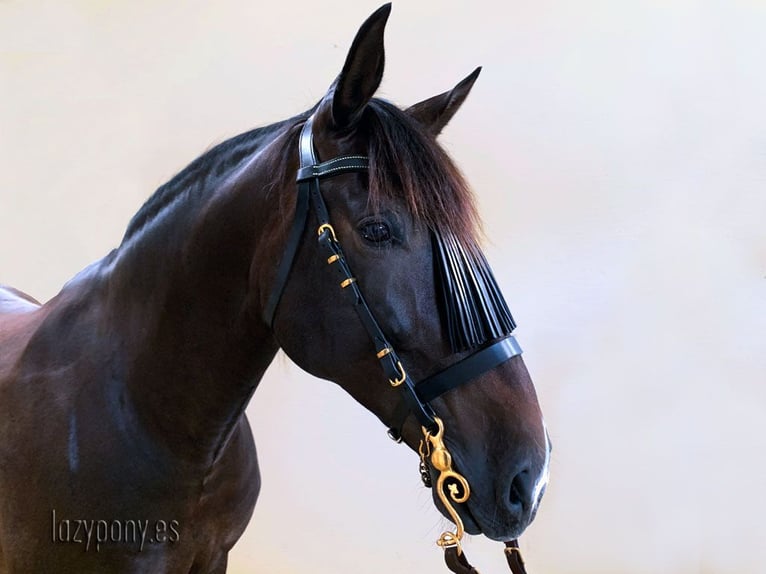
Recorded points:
362,72
434,113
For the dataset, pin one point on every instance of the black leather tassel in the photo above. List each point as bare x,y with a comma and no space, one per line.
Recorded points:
472,304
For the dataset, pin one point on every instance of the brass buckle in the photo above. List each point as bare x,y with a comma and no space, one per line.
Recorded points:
329,228
403,376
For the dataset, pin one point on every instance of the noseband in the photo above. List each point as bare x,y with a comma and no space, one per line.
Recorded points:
415,397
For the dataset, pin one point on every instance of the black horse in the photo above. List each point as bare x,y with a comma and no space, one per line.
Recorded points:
122,399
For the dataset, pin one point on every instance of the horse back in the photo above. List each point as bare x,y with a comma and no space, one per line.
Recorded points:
15,301
18,321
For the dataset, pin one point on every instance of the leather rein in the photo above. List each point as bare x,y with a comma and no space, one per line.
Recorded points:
452,487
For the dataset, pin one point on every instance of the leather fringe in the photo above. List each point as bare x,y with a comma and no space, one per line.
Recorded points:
473,307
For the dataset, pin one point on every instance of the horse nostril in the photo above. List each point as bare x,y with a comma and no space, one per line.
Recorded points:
522,487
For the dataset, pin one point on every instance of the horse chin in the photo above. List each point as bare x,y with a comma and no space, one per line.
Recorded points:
503,534
475,522
496,530
470,524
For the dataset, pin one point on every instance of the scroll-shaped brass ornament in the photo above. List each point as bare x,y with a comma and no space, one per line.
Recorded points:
451,487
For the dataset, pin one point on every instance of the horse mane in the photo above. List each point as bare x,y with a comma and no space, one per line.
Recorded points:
406,165
204,172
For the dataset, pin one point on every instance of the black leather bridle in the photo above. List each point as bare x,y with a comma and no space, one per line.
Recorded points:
416,397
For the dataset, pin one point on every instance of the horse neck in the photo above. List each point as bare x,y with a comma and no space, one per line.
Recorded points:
190,315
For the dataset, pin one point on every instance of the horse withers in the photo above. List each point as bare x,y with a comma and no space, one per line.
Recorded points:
344,236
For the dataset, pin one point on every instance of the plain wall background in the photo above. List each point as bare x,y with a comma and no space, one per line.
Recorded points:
618,150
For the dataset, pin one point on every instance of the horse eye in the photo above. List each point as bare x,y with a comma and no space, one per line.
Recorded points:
375,231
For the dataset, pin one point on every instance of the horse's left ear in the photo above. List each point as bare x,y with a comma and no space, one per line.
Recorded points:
362,72
434,113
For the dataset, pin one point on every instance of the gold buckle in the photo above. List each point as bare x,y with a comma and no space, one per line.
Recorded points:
346,282
514,549
383,352
332,259
397,382
329,228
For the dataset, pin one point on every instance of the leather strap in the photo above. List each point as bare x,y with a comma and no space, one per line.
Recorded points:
333,167
308,178
514,557
288,256
470,367
458,563
389,360
309,171
454,376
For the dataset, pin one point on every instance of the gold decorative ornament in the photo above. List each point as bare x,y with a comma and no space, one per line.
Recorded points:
432,446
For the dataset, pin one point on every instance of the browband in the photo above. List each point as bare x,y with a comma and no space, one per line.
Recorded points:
333,167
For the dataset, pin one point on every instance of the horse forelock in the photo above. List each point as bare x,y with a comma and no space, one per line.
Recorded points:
406,161
407,164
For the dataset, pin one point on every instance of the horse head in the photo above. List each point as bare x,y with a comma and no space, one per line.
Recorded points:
382,283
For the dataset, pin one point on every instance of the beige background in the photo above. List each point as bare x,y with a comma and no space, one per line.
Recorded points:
619,153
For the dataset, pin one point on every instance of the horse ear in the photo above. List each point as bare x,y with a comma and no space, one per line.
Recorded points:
434,113
362,72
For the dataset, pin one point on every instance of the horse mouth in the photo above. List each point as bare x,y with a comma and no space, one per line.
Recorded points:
476,522
470,524
483,517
